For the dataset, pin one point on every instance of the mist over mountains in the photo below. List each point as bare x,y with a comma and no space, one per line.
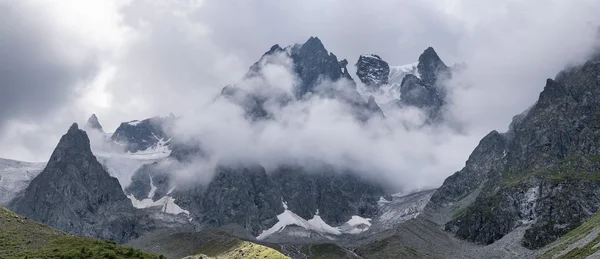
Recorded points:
456,129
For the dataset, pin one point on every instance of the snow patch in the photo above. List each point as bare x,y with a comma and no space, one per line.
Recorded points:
134,122
403,208
355,225
152,188
382,200
370,56
397,73
320,226
166,203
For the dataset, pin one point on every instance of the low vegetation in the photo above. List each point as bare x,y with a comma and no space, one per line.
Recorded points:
21,237
592,226
237,250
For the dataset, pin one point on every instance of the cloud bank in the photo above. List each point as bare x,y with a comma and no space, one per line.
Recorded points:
137,59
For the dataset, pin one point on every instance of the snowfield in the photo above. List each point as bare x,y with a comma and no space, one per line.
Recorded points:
288,218
15,177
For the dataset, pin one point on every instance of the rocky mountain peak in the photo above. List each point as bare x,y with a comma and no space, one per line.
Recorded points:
430,66
75,194
314,43
312,62
275,48
74,143
141,135
372,70
93,123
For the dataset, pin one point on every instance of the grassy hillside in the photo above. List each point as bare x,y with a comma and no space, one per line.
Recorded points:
579,243
237,250
24,238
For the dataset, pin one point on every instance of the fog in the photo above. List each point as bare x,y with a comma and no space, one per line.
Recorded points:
126,60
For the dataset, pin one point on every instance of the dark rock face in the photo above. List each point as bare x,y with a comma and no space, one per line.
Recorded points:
415,92
141,135
336,195
249,196
431,68
546,177
427,92
312,63
93,123
242,195
75,194
372,71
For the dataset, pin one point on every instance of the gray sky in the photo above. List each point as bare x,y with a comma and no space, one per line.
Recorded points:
60,61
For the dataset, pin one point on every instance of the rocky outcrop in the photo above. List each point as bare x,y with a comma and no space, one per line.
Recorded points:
372,70
142,135
414,92
312,63
431,68
547,176
93,123
427,90
75,194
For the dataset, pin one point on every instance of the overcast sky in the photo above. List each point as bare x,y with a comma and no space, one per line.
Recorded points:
61,61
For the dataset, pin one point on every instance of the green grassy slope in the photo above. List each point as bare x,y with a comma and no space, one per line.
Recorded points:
579,243
24,238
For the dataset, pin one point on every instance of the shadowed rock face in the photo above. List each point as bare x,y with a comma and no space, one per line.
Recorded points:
431,67
76,195
249,196
372,71
141,135
312,62
542,173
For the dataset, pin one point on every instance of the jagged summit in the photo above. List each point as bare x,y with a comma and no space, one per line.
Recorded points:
314,43
430,66
372,70
93,123
312,62
75,194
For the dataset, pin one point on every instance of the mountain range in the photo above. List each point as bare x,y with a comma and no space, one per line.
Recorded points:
531,191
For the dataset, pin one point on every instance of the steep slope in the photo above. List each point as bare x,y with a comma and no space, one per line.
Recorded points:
21,237
75,194
542,173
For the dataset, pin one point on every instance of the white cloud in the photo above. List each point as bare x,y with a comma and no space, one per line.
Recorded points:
147,58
